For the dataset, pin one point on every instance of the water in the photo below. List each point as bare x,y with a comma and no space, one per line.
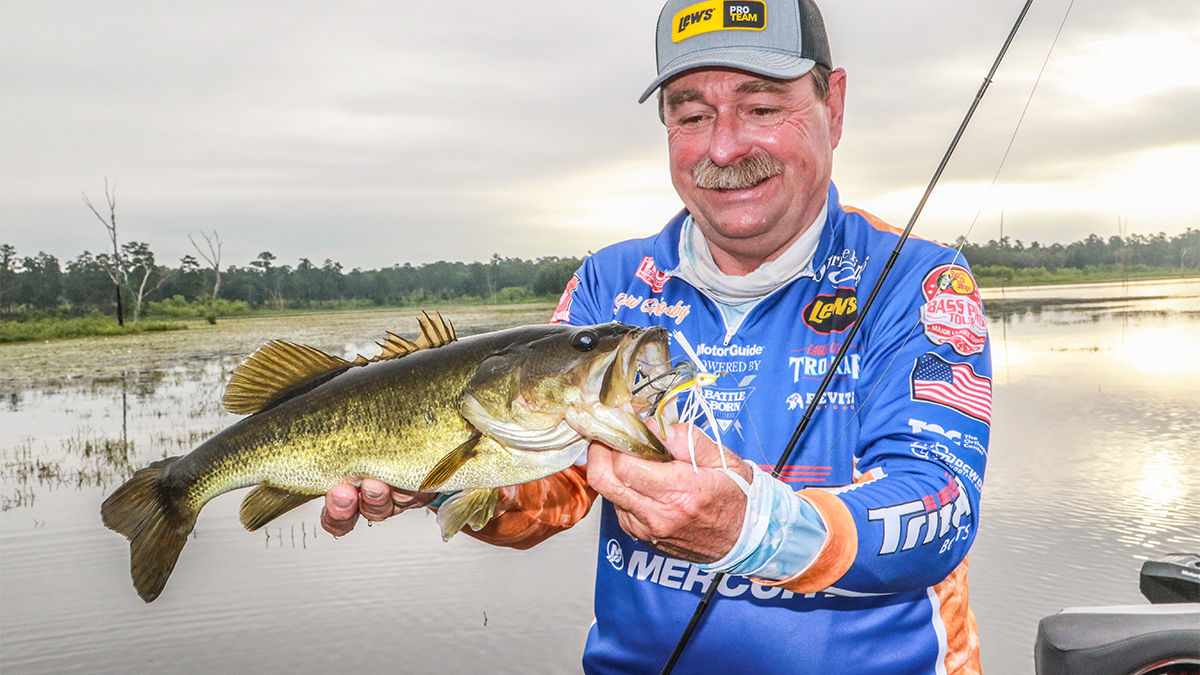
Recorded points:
1092,470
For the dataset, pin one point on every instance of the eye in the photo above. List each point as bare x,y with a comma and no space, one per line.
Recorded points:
585,340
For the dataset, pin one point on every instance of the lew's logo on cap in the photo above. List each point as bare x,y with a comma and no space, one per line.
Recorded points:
705,17
832,313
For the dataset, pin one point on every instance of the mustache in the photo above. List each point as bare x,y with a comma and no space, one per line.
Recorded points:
744,174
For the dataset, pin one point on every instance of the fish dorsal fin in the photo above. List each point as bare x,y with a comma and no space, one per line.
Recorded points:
435,332
267,375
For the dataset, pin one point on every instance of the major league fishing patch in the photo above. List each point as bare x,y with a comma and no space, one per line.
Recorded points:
953,310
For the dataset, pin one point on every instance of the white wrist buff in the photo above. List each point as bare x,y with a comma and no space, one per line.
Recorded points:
781,533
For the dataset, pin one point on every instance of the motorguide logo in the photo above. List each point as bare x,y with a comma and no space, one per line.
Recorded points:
953,310
730,350
648,273
832,313
706,17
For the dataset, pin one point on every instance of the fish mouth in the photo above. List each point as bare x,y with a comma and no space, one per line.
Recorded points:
612,412
643,357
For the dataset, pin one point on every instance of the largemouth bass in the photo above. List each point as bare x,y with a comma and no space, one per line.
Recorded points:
435,414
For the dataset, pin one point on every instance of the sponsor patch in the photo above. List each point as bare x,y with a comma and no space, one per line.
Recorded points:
706,17
648,273
842,269
614,554
810,368
920,522
953,310
954,385
562,313
832,313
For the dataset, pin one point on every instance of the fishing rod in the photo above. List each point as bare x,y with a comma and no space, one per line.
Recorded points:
716,580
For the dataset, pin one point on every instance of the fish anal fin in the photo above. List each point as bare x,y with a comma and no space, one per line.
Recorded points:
451,463
435,332
267,502
277,371
469,507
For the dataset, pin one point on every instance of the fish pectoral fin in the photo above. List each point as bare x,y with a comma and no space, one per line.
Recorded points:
451,463
469,507
267,502
278,371
435,332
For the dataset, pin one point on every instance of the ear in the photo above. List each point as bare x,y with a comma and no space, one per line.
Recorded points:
836,105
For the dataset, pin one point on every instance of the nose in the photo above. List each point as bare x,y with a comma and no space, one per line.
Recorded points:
729,141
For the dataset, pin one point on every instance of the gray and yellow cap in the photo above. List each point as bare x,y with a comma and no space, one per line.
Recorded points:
776,38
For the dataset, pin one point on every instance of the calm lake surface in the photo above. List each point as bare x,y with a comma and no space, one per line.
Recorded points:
1093,469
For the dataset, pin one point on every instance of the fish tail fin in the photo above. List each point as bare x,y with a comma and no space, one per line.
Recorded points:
469,507
155,523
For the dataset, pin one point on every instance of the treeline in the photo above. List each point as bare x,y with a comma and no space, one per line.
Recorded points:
39,286
1155,251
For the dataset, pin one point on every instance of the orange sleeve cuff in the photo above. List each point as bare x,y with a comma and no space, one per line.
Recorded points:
835,557
543,508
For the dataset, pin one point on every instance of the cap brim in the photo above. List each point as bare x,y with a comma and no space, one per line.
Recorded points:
757,61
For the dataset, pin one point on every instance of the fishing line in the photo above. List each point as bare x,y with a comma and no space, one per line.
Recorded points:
715,581
958,250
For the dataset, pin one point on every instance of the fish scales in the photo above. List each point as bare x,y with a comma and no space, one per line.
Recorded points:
481,413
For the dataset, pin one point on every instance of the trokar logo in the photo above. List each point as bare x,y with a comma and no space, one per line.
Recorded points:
832,313
648,273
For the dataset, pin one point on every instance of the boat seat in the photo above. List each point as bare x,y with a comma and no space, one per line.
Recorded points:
1123,640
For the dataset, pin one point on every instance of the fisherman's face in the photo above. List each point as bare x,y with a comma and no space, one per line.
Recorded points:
780,131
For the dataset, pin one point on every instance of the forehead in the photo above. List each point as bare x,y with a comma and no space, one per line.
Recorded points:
714,84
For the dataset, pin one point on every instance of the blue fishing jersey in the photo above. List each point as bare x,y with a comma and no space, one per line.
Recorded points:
897,443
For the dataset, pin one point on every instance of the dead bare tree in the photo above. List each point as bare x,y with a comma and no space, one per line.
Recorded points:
141,260
213,258
115,266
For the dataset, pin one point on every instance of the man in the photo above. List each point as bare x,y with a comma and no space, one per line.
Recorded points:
853,561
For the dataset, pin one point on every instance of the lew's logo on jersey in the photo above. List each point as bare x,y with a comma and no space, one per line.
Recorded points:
705,17
648,273
832,313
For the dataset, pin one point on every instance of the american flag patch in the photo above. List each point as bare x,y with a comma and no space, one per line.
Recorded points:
954,385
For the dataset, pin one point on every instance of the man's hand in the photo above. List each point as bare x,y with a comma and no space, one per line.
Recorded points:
374,499
695,516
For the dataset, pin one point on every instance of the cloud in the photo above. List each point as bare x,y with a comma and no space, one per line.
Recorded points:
380,133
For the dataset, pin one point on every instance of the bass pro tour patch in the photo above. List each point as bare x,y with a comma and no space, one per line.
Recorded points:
953,310
706,17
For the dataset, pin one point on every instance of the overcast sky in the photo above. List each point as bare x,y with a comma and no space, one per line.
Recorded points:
377,133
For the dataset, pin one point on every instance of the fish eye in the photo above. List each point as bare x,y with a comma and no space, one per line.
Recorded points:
585,340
